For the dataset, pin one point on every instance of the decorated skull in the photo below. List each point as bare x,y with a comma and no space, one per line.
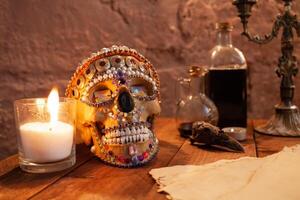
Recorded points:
118,93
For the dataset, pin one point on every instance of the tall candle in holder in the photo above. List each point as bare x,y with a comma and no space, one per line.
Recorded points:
46,133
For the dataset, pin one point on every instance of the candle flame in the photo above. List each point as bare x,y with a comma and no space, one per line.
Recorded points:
53,105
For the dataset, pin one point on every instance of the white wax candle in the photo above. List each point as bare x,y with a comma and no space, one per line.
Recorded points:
45,142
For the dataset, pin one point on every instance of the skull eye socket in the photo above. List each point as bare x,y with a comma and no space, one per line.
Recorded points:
101,94
141,89
138,90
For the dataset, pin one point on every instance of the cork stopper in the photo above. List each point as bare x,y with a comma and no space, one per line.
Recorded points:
224,26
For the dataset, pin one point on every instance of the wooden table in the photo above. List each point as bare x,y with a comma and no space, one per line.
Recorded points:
91,179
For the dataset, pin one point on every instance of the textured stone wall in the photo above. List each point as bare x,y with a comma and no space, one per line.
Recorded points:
42,41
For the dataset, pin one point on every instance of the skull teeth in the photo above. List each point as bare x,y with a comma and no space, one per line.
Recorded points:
127,135
127,131
127,139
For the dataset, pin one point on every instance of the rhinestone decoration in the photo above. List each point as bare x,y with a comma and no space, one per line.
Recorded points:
102,65
89,73
122,63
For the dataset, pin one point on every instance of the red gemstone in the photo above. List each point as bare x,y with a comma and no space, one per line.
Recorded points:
145,155
121,159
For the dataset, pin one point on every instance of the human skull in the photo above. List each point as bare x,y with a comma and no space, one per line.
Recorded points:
118,93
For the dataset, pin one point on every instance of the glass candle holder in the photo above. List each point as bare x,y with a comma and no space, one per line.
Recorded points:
45,145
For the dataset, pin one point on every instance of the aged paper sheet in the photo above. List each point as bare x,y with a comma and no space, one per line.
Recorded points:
275,177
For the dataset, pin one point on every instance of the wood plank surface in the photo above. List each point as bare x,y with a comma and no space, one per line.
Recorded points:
267,144
91,179
9,164
17,184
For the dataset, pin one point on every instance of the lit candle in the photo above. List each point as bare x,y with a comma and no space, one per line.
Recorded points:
47,141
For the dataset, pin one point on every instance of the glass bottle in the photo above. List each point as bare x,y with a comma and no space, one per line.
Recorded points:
227,79
193,105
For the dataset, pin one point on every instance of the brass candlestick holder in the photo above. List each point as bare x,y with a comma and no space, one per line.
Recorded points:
286,121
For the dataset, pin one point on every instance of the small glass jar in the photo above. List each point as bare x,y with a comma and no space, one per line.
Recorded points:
45,146
193,105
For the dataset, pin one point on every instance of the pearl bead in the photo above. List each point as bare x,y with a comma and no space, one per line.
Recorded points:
105,50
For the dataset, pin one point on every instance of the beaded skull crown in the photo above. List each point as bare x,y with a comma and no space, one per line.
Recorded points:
118,93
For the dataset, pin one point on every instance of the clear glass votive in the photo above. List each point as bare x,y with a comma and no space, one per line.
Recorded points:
45,145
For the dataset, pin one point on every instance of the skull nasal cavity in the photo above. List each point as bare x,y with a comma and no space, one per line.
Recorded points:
125,101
